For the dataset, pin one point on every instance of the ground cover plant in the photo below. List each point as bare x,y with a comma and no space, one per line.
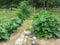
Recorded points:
45,25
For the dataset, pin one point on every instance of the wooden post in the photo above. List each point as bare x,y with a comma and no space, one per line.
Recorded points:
46,4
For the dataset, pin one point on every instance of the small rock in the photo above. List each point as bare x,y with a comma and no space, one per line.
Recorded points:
19,41
34,43
33,38
27,33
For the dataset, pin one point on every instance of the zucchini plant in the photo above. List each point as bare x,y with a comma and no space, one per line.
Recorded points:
45,25
4,35
9,27
12,24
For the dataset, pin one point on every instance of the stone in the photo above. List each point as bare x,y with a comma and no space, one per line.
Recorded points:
33,42
20,40
33,38
27,33
26,39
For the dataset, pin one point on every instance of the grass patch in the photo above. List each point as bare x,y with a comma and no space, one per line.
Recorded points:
56,12
7,14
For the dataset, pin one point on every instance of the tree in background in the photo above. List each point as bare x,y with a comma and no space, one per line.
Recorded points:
44,3
35,3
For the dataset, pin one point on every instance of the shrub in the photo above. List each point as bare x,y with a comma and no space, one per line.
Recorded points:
25,10
45,25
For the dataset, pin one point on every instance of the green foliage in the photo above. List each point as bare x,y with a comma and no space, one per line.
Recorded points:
25,10
12,24
9,27
53,3
45,25
41,3
3,33
9,3
36,3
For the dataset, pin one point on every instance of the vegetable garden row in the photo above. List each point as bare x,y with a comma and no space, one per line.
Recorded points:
44,24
